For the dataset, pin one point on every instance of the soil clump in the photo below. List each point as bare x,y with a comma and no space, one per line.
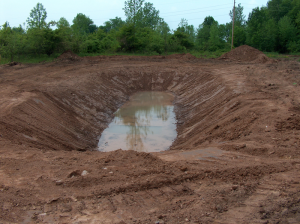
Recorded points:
69,56
245,53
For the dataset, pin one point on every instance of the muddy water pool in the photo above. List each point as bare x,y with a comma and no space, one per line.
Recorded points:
146,123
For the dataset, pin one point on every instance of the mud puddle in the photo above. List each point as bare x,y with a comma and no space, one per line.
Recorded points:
146,123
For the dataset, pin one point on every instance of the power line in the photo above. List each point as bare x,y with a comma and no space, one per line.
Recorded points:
214,6
196,12
199,18
178,2
196,9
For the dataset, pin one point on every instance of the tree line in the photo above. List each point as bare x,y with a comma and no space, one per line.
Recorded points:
272,28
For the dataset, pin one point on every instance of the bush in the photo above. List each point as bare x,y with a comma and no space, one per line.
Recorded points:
294,46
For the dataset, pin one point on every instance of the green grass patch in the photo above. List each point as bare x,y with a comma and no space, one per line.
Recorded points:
4,61
116,54
208,54
198,54
276,55
296,53
31,59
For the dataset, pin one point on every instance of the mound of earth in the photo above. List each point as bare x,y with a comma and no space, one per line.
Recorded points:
245,53
13,63
188,56
69,56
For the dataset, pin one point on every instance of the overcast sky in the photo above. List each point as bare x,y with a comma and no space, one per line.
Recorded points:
17,11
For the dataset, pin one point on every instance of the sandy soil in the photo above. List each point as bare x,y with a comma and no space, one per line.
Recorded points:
236,158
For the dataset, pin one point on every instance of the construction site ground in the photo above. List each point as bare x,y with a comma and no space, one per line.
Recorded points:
236,158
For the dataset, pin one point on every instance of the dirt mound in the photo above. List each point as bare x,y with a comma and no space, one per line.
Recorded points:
69,56
140,159
13,63
245,53
188,56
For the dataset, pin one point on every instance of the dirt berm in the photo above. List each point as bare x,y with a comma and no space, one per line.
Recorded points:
248,54
236,157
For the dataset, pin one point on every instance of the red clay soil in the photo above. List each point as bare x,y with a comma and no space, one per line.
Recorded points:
236,157
245,53
69,56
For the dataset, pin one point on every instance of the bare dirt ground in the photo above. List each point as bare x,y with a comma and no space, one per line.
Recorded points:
236,158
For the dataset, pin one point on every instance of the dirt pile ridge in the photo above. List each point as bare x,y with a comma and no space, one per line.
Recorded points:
245,53
69,56
236,158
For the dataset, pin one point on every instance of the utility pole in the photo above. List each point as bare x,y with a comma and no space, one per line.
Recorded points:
233,25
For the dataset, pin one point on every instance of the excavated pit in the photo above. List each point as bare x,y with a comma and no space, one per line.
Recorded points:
72,119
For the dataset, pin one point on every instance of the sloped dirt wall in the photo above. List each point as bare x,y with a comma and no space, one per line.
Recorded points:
73,117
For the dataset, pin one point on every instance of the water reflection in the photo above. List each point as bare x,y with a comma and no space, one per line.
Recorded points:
145,123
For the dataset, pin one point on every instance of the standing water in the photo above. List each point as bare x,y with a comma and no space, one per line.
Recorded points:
146,123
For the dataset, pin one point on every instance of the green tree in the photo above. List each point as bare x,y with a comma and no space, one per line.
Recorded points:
82,27
278,8
150,41
269,33
62,23
287,33
298,20
127,38
139,32
208,21
239,17
295,10
133,9
90,44
148,16
163,30
214,41
239,26
109,42
34,42
37,17
203,33
64,35
19,29
82,24
10,42
183,39
141,14
239,36
255,22
112,24
224,31
184,27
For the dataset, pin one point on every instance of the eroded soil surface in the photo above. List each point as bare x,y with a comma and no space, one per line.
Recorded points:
236,158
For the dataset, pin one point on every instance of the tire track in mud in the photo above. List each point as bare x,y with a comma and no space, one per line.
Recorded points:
202,200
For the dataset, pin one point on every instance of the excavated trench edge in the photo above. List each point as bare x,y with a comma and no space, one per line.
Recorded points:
73,119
